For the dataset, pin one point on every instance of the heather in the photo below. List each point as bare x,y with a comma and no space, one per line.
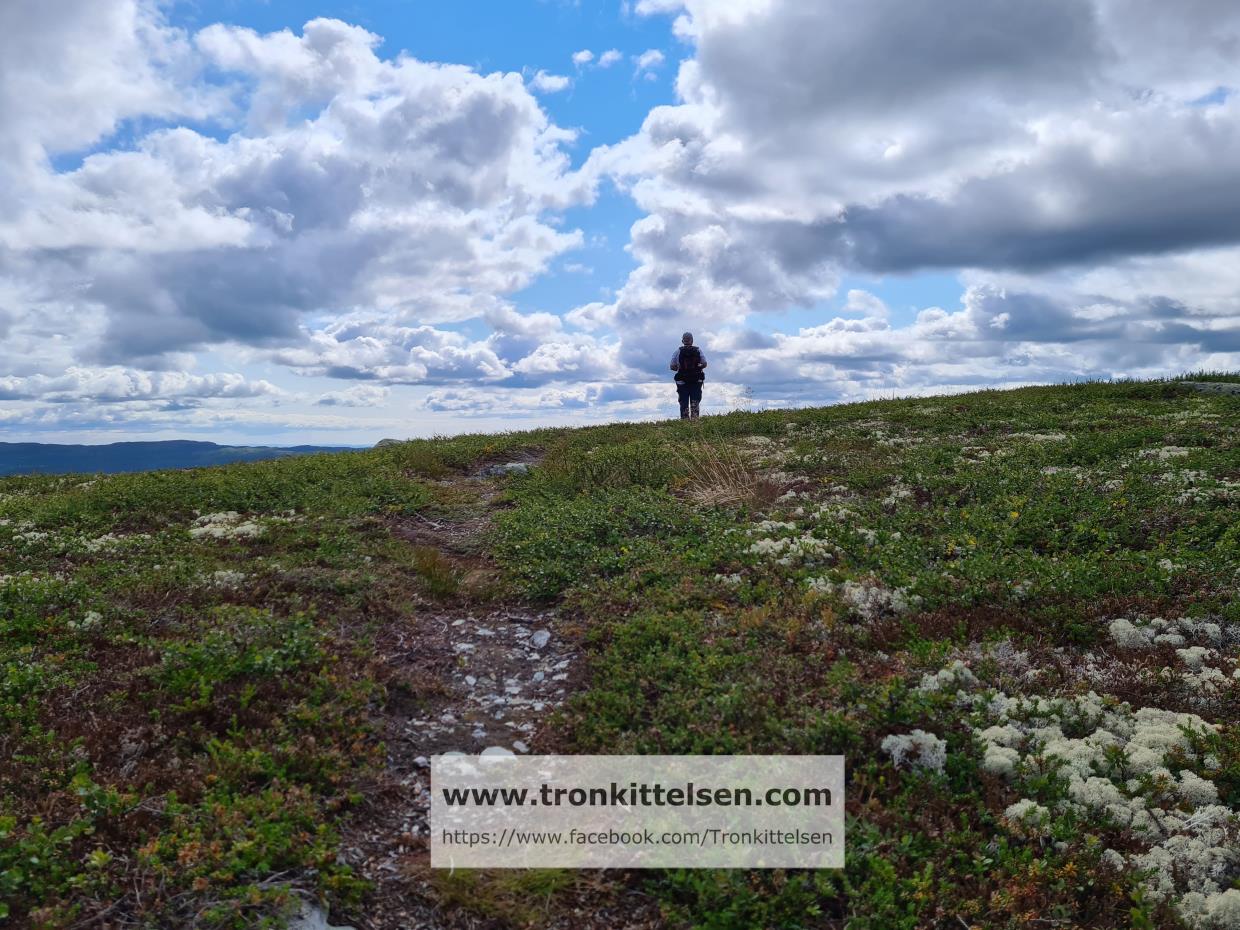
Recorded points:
1015,612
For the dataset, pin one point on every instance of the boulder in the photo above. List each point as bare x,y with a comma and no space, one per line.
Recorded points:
1213,387
509,468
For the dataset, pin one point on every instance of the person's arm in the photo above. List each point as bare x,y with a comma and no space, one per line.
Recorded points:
676,360
702,356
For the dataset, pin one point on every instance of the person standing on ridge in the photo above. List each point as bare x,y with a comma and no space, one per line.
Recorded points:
689,363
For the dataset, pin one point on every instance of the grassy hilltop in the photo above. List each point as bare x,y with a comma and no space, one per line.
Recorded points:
1016,613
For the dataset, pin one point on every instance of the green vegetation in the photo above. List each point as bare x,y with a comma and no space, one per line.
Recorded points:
188,701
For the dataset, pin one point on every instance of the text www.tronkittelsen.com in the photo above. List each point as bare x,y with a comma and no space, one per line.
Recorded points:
635,795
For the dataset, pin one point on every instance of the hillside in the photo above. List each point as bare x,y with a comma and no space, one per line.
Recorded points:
44,458
219,688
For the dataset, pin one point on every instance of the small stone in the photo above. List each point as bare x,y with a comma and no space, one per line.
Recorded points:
539,676
471,680
519,746
422,762
312,917
540,638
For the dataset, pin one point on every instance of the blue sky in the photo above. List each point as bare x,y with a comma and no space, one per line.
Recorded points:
332,222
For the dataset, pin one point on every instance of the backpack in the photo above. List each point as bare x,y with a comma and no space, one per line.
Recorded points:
690,365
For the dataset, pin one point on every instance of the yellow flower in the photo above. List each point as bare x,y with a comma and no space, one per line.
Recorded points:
1015,514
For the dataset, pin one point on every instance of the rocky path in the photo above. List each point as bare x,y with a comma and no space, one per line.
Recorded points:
467,678
510,670
487,681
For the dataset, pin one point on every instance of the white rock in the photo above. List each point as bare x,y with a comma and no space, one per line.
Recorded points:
313,917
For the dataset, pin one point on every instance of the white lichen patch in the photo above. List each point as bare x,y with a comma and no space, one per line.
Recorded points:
1163,453
229,524
1195,656
1117,772
918,750
868,600
956,677
766,527
899,492
1040,437
1157,631
1028,816
88,621
1212,912
110,541
783,543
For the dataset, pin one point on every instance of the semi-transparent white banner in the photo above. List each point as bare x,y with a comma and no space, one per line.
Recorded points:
750,812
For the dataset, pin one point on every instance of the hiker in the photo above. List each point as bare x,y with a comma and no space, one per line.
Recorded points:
688,362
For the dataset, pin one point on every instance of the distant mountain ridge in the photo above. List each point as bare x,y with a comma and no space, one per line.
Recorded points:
26,458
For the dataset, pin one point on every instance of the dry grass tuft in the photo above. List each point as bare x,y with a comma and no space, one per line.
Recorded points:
718,476
436,571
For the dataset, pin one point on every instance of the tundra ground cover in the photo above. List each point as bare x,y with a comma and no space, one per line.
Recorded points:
927,567
1015,613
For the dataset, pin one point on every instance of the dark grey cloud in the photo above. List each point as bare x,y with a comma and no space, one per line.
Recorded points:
1071,209
806,60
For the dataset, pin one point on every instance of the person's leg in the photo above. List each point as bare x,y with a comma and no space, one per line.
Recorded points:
682,395
695,399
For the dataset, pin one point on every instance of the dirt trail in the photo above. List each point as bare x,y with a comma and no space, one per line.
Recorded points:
462,677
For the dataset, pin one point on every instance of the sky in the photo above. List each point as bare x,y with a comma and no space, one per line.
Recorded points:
335,221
